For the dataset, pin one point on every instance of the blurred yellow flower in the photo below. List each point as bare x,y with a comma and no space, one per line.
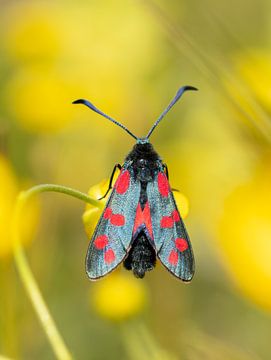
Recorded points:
254,68
245,233
40,99
249,87
119,296
32,32
8,192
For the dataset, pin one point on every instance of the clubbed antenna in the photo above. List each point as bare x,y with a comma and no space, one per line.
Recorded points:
92,107
176,98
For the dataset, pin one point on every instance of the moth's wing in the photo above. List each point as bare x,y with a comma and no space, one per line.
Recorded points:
113,234
171,240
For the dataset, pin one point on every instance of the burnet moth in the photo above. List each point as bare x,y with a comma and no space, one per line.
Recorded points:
141,220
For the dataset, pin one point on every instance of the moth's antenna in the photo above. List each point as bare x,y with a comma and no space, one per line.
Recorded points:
176,98
92,107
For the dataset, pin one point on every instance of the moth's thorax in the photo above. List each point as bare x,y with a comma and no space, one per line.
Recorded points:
145,161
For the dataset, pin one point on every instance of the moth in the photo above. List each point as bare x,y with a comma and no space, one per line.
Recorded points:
141,221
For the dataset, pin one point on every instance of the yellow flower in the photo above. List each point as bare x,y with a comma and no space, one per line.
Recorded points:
8,192
256,73
119,296
32,32
249,87
245,233
42,97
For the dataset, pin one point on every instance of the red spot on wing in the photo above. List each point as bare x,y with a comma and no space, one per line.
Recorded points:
163,185
123,182
166,222
109,256
143,217
107,213
100,242
176,216
117,219
173,257
181,244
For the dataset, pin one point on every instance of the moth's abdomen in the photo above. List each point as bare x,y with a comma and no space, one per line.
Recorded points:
141,257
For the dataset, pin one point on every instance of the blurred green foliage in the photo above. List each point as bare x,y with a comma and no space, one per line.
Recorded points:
129,58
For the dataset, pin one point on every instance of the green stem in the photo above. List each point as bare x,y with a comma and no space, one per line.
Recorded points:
25,273
61,189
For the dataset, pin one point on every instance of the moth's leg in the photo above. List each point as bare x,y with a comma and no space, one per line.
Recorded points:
177,190
165,168
117,166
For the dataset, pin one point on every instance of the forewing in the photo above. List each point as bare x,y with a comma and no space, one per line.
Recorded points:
113,234
171,240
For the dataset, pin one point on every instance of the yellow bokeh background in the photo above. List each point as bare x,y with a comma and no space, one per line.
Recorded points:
129,58
9,189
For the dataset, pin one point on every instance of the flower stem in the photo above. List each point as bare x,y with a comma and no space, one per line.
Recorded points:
24,195
25,273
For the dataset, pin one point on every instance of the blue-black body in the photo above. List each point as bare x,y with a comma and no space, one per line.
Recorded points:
140,222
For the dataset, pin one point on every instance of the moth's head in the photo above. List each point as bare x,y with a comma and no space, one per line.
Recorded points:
143,145
142,141
142,152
